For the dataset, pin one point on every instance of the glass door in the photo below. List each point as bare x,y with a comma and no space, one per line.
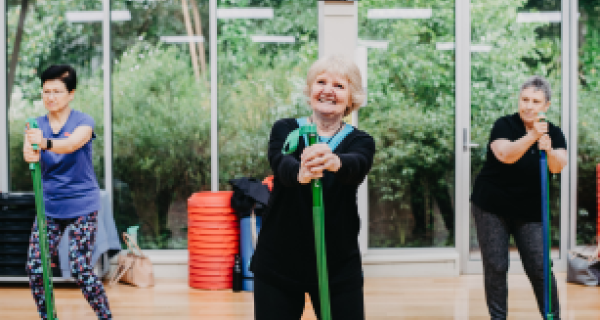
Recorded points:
510,41
39,35
410,74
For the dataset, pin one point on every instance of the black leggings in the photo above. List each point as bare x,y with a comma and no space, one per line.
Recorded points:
278,303
493,233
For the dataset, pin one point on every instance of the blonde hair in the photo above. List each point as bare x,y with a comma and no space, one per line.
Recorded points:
343,67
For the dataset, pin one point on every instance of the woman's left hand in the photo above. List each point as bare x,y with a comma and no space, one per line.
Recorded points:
34,136
544,143
319,157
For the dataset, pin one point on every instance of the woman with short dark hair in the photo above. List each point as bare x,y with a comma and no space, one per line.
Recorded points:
507,198
71,192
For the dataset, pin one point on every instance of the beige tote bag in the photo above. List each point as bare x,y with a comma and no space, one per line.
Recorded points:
132,268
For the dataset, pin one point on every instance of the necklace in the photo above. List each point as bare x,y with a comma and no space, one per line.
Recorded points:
321,139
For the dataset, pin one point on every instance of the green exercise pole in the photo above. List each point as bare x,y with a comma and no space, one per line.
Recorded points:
319,225
318,218
36,174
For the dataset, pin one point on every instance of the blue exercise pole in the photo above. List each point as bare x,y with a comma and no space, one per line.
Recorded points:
546,233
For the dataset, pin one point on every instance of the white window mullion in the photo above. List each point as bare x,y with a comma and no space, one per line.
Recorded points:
214,138
4,99
107,103
463,127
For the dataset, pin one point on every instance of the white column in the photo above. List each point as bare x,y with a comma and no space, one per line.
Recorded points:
338,34
361,59
338,27
570,35
462,128
214,129
107,67
3,100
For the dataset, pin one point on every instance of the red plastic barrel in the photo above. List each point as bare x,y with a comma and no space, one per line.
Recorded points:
213,240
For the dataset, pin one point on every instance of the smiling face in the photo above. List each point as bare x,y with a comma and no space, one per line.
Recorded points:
532,102
56,96
329,95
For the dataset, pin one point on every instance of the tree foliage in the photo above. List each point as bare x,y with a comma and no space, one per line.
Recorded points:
161,115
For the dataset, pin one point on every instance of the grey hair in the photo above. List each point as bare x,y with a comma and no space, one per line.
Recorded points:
538,83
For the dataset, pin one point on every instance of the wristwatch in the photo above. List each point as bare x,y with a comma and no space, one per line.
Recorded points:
48,144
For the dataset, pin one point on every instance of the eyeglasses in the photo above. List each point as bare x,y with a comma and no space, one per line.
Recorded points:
51,93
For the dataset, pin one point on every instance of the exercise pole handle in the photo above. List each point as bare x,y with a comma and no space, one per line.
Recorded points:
293,139
542,114
32,124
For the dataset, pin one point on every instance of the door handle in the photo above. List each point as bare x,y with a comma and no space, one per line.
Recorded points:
466,143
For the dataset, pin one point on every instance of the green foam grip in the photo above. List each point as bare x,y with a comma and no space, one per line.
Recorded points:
293,139
33,125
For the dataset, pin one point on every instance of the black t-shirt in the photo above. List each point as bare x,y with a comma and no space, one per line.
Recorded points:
285,252
513,190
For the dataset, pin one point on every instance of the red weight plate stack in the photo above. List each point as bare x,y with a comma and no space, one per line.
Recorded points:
213,240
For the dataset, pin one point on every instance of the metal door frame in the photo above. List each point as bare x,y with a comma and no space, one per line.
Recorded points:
463,127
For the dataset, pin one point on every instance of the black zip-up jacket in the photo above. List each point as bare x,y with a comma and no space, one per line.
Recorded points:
285,252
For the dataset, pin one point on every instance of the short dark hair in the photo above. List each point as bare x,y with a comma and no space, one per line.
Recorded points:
62,72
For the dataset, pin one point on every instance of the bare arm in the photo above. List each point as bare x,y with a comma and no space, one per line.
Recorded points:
557,160
509,152
74,142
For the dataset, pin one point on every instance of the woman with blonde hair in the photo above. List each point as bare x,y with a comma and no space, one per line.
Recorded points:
284,263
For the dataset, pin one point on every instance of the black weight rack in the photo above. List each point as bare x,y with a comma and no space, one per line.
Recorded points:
17,214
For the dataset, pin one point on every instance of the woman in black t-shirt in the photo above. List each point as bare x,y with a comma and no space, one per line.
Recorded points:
284,263
507,197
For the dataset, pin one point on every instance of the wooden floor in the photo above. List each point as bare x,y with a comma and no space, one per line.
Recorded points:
385,298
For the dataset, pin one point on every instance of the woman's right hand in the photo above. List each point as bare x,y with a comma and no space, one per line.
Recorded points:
307,169
314,160
29,154
305,175
540,128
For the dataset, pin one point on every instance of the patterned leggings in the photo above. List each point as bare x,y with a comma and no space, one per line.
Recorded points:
82,234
